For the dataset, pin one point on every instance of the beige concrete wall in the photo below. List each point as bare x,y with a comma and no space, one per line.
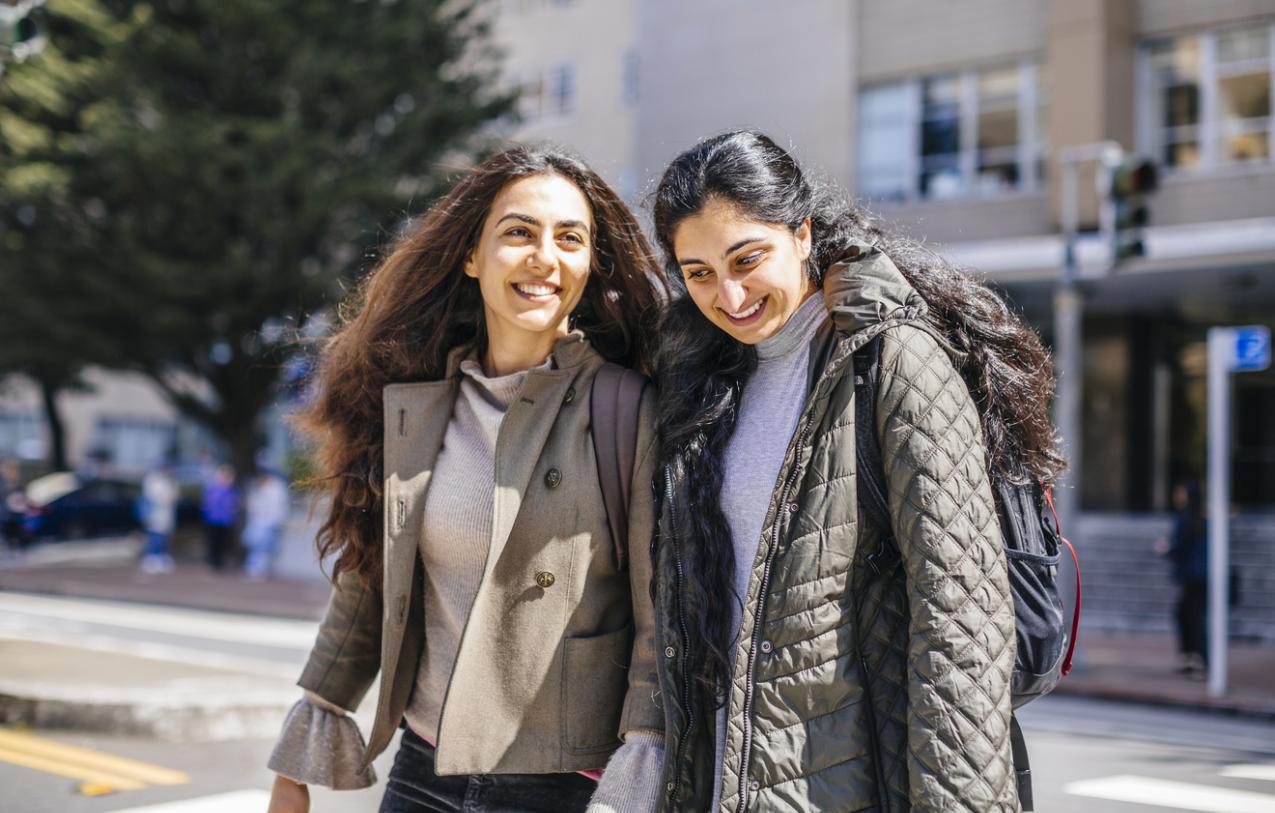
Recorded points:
1020,215
1170,16
901,38
1227,195
594,36
1090,73
715,65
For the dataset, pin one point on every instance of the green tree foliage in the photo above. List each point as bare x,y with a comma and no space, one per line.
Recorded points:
193,178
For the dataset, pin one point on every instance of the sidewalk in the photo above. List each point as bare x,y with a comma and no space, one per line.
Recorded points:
1143,670
107,569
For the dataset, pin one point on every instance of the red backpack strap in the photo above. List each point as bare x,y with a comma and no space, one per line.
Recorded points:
613,402
1075,615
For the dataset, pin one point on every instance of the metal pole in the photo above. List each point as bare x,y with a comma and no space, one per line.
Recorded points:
1069,305
1221,348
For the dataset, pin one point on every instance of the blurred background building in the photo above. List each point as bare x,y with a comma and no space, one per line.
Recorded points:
948,119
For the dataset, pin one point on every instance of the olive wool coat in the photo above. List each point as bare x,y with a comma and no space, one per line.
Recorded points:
855,690
557,657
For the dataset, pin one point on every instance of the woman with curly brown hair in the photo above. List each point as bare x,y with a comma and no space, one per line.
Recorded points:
476,569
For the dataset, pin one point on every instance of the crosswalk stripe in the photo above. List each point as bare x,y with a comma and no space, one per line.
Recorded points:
1174,795
89,766
242,629
240,801
1265,773
88,776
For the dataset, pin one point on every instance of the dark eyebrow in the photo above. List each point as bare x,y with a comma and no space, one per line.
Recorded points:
528,219
736,247
574,224
531,221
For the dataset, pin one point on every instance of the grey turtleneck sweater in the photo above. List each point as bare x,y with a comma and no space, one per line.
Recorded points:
773,400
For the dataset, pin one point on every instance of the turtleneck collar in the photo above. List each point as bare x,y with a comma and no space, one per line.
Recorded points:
500,390
796,333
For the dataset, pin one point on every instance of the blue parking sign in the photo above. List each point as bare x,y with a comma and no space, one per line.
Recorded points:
1252,349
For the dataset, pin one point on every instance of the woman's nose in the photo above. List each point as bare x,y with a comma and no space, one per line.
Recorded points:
731,295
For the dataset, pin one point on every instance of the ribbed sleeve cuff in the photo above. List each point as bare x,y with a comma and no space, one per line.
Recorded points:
631,781
319,747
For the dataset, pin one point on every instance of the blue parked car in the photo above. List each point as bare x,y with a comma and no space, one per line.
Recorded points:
62,507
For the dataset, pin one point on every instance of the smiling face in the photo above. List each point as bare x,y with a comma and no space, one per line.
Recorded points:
532,263
746,276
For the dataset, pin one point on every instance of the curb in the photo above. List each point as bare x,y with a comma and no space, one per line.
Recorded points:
1222,707
233,718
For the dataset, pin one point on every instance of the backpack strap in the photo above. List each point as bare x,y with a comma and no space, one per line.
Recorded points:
1022,766
870,469
613,404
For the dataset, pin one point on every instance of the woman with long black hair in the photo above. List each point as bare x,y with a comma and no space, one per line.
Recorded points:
811,659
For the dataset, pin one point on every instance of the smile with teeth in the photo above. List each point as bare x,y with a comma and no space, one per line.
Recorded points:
747,313
536,290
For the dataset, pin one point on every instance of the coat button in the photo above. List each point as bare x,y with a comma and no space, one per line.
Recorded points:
570,396
669,652
553,478
792,507
767,647
754,786
545,579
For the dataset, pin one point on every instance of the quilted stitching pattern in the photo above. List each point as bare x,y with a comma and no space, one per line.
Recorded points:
961,632
936,631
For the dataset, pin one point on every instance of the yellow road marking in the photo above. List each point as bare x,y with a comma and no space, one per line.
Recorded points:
90,767
85,775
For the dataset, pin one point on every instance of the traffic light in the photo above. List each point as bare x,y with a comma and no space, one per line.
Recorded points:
1131,181
20,36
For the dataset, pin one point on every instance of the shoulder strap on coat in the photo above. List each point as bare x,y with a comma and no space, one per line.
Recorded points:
614,402
869,468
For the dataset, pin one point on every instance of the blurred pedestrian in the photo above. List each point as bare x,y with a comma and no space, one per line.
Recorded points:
159,518
12,505
267,505
1188,551
220,509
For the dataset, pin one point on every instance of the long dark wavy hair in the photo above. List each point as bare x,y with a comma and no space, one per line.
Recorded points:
418,304
702,370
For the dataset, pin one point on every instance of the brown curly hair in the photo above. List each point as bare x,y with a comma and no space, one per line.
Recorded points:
417,305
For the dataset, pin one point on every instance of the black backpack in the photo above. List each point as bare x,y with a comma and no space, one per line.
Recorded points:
1033,550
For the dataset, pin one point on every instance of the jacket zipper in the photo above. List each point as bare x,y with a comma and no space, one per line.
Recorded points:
759,614
883,800
681,621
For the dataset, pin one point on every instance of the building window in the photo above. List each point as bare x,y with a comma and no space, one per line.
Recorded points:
531,98
561,87
631,78
1208,98
886,143
950,135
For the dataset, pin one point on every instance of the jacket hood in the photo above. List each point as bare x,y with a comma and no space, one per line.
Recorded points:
865,288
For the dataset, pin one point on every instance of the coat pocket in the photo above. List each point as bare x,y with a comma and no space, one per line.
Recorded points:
595,678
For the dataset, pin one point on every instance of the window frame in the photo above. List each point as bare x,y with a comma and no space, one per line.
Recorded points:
1028,151
1211,131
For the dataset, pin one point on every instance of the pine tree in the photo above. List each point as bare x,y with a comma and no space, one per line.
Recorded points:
239,162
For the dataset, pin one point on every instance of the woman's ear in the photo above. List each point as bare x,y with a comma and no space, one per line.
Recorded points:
803,237
470,267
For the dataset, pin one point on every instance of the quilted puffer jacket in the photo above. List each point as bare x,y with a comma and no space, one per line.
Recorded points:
860,683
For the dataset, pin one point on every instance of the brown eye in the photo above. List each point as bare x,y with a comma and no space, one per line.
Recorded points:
751,259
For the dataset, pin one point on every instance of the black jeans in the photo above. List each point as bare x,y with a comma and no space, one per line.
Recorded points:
413,787
1193,613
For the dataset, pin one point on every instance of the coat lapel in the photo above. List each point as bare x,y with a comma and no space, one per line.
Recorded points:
522,437
416,417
